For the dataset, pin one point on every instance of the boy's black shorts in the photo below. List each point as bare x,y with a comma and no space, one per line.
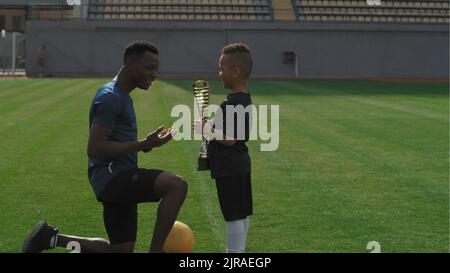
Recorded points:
120,199
235,196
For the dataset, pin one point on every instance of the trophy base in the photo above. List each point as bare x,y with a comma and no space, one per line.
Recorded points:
203,164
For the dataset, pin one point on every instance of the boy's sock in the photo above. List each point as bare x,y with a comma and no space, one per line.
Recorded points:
235,236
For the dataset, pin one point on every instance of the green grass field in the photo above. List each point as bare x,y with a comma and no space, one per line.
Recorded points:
358,161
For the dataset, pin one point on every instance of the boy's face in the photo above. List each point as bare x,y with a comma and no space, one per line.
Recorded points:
227,73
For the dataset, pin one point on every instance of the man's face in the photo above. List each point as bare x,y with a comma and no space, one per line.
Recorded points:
145,70
226,72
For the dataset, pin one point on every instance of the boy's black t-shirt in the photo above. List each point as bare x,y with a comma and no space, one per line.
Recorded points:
232,160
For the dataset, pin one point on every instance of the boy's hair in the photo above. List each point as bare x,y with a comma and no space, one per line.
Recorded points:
241,57
136,49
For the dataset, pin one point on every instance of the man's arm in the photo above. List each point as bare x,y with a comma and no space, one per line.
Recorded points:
100,146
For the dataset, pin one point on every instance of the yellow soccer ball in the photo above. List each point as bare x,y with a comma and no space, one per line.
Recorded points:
180,240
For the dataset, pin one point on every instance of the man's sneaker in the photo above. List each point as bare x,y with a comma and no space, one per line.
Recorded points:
43,237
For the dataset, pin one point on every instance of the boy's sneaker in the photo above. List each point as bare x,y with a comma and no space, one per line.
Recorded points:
43,237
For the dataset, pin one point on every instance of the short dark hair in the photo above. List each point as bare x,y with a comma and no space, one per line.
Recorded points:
241,57
136,49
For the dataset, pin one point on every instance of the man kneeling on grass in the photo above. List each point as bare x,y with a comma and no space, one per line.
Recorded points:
113,170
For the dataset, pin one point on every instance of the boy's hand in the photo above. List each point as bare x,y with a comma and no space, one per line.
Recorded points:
204,128
157,138
198,126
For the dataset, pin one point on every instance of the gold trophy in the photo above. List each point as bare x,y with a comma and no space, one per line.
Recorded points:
201,96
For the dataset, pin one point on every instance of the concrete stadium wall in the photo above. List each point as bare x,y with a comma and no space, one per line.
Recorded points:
191,49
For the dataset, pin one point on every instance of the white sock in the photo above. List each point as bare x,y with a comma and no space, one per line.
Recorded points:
235,236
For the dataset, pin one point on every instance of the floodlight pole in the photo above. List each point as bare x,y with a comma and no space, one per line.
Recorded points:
13,65
3,35
14,53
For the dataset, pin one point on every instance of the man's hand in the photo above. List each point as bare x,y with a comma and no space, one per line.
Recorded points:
157,138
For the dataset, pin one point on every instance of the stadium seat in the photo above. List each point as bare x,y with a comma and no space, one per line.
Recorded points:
406,11
180,9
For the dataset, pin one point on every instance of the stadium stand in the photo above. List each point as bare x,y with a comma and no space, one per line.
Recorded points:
14,13
330,39
283,10
407,11
216,10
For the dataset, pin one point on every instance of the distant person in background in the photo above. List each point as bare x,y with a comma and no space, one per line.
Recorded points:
41,54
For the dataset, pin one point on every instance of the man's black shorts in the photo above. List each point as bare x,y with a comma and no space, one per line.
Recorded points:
120,199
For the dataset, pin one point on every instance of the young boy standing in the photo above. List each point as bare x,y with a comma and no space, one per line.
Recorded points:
227,151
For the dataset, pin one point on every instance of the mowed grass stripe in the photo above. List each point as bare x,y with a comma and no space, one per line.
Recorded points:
21,98
27,115
380,169
10,87
44,119
426,95
53,117
377,97
400,135
347,113
382,100
394,157
317,123
40,177
367,133
73,199
22,112
25,133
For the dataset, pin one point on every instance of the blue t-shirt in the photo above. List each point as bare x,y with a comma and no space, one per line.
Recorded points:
112,108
